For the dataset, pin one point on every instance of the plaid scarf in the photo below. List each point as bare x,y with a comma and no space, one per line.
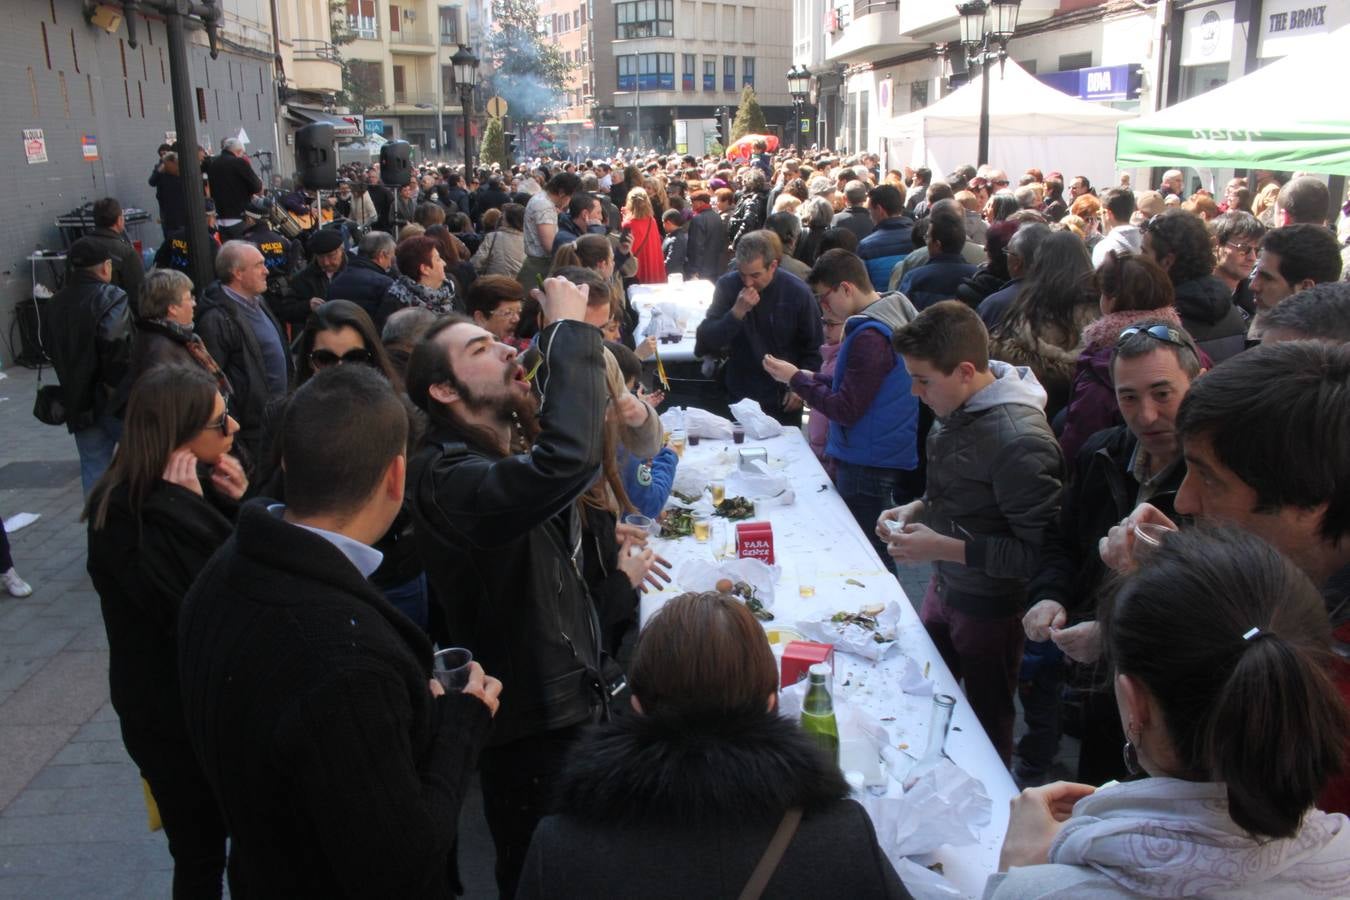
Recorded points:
192,343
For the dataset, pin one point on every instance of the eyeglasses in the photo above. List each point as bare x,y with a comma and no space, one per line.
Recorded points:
222,425
1244,249
506,314
322,359
1164,333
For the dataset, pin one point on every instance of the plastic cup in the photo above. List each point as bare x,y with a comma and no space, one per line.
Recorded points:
451,668
737,434
675,278
702,528
719,491
692,439
806,577
1148,537
677,442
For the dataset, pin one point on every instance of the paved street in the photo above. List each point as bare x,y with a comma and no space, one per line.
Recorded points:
72,815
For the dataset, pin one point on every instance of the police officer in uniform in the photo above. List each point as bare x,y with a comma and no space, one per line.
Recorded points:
281,256
173,252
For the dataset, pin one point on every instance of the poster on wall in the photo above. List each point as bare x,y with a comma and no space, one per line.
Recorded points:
34,145
89,147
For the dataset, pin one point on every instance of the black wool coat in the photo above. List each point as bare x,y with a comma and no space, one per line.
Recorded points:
657,807
307,701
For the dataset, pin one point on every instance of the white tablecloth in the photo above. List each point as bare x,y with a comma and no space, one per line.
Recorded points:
818,525
692,299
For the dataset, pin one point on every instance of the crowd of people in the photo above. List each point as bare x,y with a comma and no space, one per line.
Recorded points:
1116,423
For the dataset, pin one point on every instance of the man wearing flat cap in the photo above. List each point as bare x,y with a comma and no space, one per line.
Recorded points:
88,334
327,257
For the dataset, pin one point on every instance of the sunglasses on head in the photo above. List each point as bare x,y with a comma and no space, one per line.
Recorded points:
1150,223
322,359
1162,333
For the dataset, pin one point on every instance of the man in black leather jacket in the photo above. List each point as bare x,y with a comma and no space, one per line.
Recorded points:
494,504
88,333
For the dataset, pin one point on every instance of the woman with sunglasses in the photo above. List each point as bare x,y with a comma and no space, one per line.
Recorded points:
155,517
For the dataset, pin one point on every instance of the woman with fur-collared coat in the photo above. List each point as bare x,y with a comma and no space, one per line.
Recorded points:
686,793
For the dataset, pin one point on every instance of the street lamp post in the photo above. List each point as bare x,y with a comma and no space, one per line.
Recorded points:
799,86
986,28
465,66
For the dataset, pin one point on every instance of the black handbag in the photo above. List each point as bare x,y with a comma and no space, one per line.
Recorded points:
49,406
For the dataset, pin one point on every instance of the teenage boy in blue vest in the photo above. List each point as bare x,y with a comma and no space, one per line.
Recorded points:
874,416
993,485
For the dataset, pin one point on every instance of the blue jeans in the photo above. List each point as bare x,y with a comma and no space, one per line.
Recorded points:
868,491
410,598
96,445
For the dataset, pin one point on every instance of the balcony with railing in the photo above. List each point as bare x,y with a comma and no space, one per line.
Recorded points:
859,29
410,40
416,99
316,65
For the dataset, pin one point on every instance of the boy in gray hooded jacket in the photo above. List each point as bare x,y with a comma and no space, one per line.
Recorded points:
994,478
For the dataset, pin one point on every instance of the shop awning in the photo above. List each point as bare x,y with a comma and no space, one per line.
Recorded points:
1286,116
343,127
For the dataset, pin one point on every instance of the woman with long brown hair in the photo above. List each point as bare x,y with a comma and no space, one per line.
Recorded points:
154,521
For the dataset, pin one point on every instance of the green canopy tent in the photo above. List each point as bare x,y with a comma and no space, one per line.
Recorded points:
1286,117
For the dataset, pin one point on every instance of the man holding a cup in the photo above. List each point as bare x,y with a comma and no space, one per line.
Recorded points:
493,493
339,763
1152,369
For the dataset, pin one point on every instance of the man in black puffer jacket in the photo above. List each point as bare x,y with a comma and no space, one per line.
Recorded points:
498,530
88,332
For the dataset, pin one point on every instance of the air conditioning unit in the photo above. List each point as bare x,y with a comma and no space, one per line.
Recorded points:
410,15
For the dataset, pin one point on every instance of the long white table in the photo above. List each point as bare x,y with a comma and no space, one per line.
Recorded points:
691,297
819,526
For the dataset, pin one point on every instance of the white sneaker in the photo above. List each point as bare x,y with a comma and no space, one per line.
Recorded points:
16,586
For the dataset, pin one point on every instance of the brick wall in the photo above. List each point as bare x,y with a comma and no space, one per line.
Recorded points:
69,78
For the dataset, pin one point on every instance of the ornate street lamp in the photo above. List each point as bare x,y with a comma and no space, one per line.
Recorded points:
465,66
986,29
799,86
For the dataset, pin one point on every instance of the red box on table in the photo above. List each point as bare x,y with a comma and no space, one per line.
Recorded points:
800,656
754,540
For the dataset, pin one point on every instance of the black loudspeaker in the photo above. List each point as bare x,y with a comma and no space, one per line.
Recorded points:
395,163
315,157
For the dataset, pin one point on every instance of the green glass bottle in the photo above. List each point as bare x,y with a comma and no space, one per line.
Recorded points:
818,712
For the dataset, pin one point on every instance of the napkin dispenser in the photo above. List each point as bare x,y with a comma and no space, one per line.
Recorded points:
800,656
754,540
754,459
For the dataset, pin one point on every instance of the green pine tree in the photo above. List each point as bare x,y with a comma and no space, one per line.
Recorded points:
749,117
494,145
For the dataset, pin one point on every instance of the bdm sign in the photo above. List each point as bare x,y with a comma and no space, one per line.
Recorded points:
1098,83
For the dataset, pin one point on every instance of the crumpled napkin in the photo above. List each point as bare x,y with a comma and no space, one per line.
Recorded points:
853,638
753,419
912,680
664,322
945,806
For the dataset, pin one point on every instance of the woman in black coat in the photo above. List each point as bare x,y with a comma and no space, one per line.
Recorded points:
681,799
153,524
164,334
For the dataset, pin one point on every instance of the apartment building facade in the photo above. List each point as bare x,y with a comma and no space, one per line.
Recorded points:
400,61
683,59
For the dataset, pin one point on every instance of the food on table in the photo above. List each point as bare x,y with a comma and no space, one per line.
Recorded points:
867,622
677,523
745,592
873,609
735,508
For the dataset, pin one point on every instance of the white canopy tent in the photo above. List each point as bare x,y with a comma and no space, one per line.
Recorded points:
1030,125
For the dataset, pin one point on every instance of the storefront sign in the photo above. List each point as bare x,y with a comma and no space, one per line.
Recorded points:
1207,35
375,126
34,145
1099,82
89,147
1284,22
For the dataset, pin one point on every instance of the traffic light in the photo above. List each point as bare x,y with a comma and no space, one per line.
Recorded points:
720,112
509,145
